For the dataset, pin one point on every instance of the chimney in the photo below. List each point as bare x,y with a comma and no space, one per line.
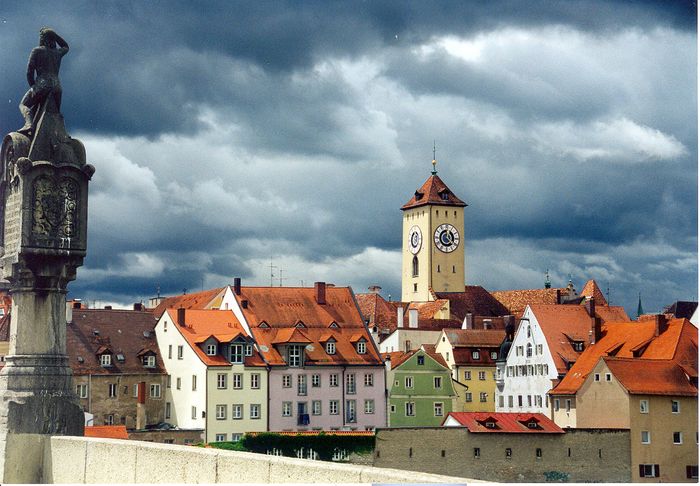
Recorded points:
470,320
595,333
108,307
181,317
69,314
413,318
138,306
660,324
237,285
320,292
558,296
374,289
77,305
399,316
141,406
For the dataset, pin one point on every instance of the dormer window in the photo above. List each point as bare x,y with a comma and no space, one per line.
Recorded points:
490,425
106,360
335,324
249,350
121,358
330,347
294,354
300,324
236,353
444,196
361,347
264,324
149,361
211,349
578,346
532,425
475,355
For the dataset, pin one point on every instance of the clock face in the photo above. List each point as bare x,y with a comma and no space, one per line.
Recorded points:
415,239
446,238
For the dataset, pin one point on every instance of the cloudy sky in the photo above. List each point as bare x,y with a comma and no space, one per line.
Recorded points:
229,135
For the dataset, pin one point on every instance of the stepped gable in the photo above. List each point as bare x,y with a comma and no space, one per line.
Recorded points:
207,299
651,377
516,300
505,422
631,339
126,332
434,192
475,300
222,325
592,291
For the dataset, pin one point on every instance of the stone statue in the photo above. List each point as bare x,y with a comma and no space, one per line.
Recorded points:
45,62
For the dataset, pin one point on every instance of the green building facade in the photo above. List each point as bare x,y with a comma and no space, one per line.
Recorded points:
421,392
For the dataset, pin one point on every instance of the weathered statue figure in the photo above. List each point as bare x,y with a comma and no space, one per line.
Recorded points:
45,62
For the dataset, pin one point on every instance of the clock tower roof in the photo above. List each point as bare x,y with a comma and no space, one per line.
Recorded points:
433,192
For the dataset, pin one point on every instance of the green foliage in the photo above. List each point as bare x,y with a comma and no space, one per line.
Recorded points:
556,476
323,444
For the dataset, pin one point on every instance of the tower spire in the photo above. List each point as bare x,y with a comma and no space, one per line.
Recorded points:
434,171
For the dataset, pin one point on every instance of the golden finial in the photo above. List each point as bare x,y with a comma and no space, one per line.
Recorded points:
434,160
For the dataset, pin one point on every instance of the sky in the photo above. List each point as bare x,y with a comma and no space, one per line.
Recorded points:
229,137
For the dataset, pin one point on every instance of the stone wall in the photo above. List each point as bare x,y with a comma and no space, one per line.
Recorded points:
181,437
580,455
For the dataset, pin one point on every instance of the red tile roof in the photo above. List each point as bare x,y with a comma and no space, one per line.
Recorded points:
221,324
591,290
678,341
651,377
505,422
106,431
475,300
397,358
124,332
206,299
516,300
380,312
435,192
474,337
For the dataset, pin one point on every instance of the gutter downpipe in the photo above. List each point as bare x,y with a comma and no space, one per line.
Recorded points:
343,396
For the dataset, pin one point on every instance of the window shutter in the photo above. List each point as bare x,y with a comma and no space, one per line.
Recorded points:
641,470
657,471
688,473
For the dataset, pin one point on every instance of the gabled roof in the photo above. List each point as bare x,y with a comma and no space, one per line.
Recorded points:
206,299
397,358
434,192
651,377
474,337
222,325
677,341
106,431
506,422
562,324
591,290
517,300
285,306
475,300
379,312
124,332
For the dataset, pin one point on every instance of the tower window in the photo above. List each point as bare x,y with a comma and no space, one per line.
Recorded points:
445,212
437,213
454,269
438,269
455,214
415,266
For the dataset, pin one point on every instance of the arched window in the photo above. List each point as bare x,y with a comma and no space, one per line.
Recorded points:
528,350
415,266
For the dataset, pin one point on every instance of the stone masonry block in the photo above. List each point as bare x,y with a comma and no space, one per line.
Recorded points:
110,461
242,467
165,463
64,460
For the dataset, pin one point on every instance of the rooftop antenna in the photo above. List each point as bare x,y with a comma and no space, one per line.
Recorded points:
607,294
547,282
184,291
434,171
272,272
158,290
281,277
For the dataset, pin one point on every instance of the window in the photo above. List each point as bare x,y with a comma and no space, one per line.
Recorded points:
286,381
519,351
568,405
178,383
475,354
509,453
596,377
393,408
437,409
421,360
691,472
510,401
556,404
237,411
483,396
154,391
333,380
415,286
538,453
294,355
578,346
415,267
286,409
333,407
330,347
369,406
350,411
539,349
255,381
648,470
249,350
437,381
211,349
170,351
169,381
106,360
301,385
220,438
179,352
237,381
194,382
109,419
315,381
528,350
236,353
477,453
369,379
468,396
501,402
82,391
646,437
408,382
361,347
608,377
350,383
112,390
410,409
221,412
316,407
678,437
194,413
494,355
254,411
167,410
221,381
482,375
149,361
467,375
675,406
643,406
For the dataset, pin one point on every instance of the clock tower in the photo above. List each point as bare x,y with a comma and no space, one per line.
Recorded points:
433,242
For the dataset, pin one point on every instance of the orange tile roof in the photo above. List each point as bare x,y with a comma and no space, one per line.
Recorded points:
651,377
221,324
516,300
285,306
198,300
506,422
397,358
380,312
562,324
678,341
591,290
433,191
106,431
475,300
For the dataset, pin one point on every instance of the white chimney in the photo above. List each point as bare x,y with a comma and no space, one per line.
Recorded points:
413,318
399,316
